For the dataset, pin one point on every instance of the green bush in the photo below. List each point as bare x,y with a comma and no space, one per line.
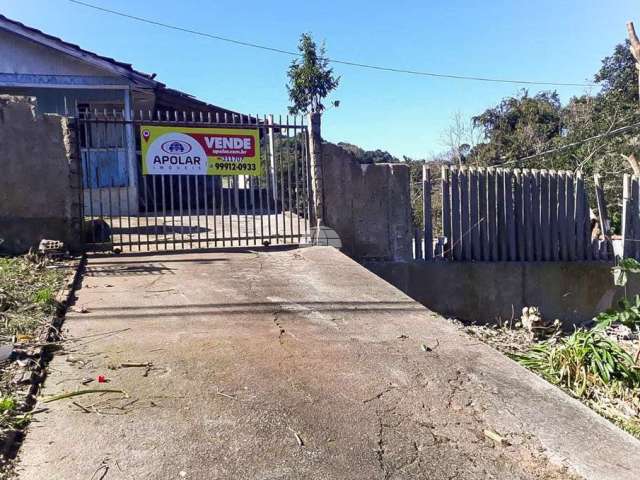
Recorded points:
582,360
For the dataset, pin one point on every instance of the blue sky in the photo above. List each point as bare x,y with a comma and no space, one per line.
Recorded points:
554,40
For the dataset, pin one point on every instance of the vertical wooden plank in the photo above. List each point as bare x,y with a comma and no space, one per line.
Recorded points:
627,224
588,252
553,216
519,219
562,215
439,248
417,244
474,224
603,216
595,249
635,212
545,231
500,214
603,249
491,214
579,217
465,237
482,214
535,214
509,215
527,213
427,217
456,245
571,216
446,209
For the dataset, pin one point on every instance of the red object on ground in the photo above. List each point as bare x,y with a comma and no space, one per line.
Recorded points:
102,379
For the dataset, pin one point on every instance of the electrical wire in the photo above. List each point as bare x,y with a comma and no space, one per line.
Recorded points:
576,144
332,60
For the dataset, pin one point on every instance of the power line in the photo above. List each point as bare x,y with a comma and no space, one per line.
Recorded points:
576,144
332,60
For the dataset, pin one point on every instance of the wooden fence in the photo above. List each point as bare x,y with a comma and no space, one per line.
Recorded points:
631,216
496,214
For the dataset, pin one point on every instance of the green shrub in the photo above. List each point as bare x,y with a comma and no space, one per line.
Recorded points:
7,404
46,298
582,360
627,313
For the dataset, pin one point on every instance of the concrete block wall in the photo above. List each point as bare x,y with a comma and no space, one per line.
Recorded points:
491,292
40,180
369,206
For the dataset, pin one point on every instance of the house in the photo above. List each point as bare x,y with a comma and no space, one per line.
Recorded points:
67,79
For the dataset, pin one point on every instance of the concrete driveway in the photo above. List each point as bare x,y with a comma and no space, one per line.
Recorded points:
294,364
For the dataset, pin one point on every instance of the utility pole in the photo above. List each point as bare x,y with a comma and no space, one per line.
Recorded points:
635,51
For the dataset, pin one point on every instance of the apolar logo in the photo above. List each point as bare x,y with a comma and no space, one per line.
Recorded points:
176,153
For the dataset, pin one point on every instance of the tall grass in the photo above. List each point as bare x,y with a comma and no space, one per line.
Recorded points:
582,360
27,294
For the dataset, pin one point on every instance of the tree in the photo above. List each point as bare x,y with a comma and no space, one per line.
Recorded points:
368,156
517,127
310,78
526,125
460,137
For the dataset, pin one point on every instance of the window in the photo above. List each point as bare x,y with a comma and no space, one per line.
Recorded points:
103,145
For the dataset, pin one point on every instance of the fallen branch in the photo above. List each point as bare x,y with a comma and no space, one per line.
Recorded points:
298,437
226,395
495,437
62,396
84,409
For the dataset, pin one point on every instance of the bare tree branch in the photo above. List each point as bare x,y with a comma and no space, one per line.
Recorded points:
633,162
635,42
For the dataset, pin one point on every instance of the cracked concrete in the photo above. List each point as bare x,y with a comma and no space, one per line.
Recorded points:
296,365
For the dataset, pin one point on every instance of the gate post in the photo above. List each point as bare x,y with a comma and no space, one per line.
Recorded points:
315,154
76,213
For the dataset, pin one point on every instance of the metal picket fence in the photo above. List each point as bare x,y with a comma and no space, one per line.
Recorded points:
128,210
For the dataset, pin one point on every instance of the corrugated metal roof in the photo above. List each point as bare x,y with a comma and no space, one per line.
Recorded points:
159,87
36,32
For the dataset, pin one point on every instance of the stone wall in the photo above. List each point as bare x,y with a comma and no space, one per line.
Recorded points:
488,292
368,206
40,180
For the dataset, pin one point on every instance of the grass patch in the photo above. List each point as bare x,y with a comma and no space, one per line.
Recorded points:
28,289
27,295
10,418
593,368
583,360
590,365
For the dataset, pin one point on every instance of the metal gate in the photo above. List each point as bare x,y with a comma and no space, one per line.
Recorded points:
126,210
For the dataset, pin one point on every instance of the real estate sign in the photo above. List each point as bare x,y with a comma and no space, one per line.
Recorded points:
199,151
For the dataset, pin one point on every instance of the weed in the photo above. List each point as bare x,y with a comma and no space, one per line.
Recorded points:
45,297
9,417
583,360
27,294
7,404
627,313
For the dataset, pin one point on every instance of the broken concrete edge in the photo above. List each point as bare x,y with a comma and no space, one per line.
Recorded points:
47,334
